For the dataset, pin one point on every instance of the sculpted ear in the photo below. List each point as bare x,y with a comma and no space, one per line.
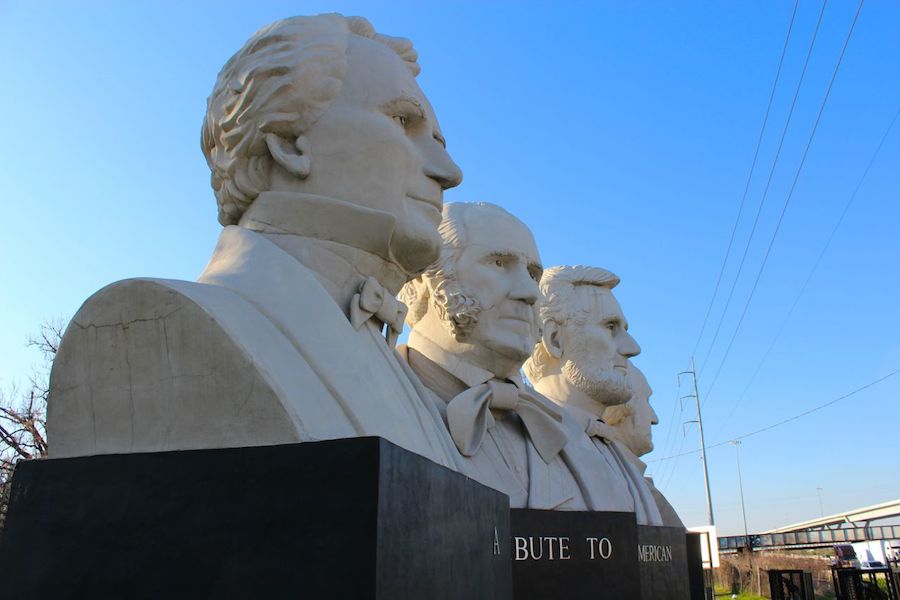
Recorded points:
551,336
293,158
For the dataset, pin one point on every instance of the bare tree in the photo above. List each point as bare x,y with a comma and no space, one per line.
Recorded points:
23,415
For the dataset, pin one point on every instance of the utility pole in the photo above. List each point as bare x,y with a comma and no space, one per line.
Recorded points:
696,395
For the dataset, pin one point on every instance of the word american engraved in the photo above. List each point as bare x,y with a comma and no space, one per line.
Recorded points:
654,553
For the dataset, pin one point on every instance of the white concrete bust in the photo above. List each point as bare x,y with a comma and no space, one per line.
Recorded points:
581,363
474,321
633,421
632,424
328,167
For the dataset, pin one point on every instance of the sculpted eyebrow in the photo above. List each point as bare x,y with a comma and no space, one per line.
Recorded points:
403,103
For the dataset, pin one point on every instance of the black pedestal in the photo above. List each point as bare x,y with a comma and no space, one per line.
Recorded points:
663,558
357,518
559,554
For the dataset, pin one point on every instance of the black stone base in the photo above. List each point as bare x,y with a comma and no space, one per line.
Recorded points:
662,554
559,554
357,518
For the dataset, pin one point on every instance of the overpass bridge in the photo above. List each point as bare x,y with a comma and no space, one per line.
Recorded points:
841,528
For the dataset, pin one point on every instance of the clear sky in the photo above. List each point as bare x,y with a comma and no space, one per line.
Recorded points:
622,133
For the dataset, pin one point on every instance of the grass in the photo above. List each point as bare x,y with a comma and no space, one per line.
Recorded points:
723,594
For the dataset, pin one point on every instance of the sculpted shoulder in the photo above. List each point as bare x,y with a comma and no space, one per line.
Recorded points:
147,364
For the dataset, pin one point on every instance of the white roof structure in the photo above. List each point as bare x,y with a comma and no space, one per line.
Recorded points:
860,515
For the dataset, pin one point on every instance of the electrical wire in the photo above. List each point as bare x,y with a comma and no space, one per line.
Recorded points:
668,443
784,421
787,200
749,177
762,201
814,267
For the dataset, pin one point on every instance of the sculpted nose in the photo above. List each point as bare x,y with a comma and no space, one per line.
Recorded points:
628,347
525,288
440,167
654,418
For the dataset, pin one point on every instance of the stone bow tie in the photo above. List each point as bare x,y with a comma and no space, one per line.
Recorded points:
372,300
469,417
601,430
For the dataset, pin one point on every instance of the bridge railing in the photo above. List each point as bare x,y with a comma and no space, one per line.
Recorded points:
815,537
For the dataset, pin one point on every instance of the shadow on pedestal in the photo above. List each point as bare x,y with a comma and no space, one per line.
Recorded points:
355,518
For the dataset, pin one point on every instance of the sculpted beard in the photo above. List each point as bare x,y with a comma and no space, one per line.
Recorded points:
602,384
458,308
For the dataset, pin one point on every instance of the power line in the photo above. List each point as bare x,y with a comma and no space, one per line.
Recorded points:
787,200
785,421
749,177
815,265
762,201
669,442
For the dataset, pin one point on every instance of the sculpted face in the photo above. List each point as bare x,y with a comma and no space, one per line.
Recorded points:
636,430
500,267
596,352
378,144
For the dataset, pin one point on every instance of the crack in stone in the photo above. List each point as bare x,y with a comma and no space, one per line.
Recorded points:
124,324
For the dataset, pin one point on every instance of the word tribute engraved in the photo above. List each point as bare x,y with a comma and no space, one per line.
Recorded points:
558,548
542,548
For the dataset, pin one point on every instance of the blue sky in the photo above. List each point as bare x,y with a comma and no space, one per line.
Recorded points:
621,132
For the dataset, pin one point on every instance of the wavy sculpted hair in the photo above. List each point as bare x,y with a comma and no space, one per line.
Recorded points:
280,82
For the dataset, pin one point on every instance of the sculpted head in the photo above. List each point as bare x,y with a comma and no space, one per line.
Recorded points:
585,345
634,420
478,300
324,105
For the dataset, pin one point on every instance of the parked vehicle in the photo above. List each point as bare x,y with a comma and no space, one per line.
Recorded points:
845,557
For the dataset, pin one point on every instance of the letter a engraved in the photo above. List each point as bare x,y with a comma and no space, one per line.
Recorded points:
496,542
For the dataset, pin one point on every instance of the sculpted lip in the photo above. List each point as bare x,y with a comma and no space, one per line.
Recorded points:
516,318
437,203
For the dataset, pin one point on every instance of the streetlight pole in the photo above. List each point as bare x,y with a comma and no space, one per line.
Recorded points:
737,454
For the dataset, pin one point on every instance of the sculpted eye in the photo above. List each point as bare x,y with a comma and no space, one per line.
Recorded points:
404,111
498,262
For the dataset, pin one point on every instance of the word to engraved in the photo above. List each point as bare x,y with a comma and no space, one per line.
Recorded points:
652,553
557,548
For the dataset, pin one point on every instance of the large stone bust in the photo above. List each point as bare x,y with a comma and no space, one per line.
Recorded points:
582,363
474,322
328,167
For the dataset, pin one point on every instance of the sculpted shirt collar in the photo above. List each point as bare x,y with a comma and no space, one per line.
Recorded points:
342,243
581,415
322,218
469,374
586,418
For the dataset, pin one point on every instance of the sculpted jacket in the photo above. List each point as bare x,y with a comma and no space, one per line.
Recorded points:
578,478
256,352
